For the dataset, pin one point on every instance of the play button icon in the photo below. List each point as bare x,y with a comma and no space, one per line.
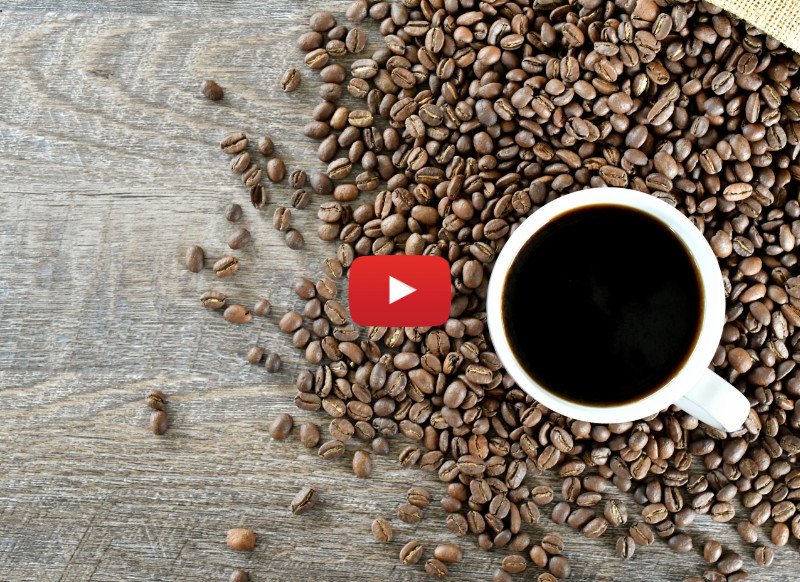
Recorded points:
399,291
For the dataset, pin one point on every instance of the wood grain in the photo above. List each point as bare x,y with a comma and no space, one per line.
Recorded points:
110,167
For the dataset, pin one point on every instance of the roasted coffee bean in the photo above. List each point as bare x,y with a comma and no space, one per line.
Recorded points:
158,422
309,434
305,500
448,553
255,355
238,576
272,363
276,170
418,496
155,399
266,146
241,539
680,543
239,238
290,80
712,550
234,143
411,553
362,464
237,314
409,513
625,547
211,90
281,426
294,240
233,213
226,266
382,530
514,564
195,258
240,163
213,300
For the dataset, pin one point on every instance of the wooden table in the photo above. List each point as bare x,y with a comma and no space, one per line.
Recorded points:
110,168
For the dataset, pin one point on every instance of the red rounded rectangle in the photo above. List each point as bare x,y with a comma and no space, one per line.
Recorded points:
399,291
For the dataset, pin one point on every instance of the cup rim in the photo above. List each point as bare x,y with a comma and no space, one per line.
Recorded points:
710,277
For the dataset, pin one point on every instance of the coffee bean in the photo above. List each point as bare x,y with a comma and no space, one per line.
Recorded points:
729,563
213,300
266,146
237,314
322,21
241,539
305,500
290,80
625,547
233,213
712,550
418,496
294,240
448,553
435,568
238,576
382,530
514,564
362,464
309,434
255,355
195,258
276,170
641,534
158,422
680,543
281,427
411,553
155,399
559,567
552,544
234,143
239,238
225,267
211,90
409,513
240,163
272,363
764,555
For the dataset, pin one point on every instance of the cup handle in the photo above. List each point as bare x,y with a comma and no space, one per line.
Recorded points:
714,401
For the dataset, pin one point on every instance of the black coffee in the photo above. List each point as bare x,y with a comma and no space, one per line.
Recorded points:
603,305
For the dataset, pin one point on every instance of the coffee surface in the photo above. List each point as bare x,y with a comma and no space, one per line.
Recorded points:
603,306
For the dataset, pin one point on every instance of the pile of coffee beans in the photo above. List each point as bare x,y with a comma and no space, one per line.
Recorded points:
469,117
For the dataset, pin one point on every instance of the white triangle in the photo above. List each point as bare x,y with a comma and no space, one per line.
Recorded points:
398,290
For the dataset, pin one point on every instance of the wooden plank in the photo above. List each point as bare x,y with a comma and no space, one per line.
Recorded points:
110,167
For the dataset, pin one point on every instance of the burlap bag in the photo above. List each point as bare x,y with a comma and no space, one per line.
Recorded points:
778,18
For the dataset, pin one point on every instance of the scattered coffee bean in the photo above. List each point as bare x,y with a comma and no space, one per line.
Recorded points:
158,422
409,513
239,576
290,80
266,146
255,355
213,300
233,213
155,399
237,314
195,258
435,568
225,267
234,143
305,500
625,547
281,426
418,496
294,240
211,90
241,539
276,170
239,238
411,553
362,464
262,308
514,564
448,553
272,363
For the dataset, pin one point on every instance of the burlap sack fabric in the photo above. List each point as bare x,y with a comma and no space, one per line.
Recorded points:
778,18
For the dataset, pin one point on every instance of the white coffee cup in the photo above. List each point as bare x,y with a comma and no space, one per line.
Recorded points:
694,388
